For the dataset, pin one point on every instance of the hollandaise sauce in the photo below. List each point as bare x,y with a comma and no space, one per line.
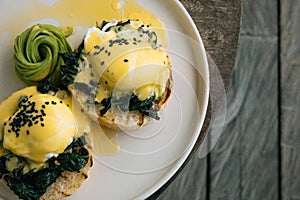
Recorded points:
36,126
80,15
42,127
39,141
127,57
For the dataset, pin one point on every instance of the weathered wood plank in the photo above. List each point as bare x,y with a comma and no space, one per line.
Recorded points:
260,178
259,17
244,163
290,107
218,22
190,183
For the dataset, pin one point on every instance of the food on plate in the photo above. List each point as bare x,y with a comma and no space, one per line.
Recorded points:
123,77
43,154
37,53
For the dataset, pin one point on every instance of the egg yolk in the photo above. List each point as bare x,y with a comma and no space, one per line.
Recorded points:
42,127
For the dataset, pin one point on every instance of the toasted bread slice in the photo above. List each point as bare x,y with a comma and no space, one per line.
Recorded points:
118,120
67,183
114,117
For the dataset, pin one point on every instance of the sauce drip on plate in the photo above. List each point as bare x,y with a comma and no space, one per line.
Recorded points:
80,15
76,13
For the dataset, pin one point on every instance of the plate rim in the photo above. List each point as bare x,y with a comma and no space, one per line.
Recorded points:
180,161
163,182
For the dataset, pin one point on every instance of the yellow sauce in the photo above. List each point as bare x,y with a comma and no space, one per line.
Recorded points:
9,105
48,131
104,142
79,13
132,66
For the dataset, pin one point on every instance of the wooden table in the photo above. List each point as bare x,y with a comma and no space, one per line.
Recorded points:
258,153
218,22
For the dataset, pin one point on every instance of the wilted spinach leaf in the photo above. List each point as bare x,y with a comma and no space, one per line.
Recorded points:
33,184
131,103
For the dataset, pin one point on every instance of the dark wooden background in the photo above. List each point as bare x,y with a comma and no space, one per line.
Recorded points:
258,153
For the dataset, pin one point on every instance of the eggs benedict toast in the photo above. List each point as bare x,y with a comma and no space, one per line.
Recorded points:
43,154
123,76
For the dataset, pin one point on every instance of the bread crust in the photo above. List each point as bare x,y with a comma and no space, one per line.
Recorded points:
116,119
131,120
67,183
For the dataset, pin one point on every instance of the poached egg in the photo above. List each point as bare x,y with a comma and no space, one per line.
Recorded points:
36,126
125,57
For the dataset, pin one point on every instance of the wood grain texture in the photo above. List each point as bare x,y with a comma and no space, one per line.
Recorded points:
259,17
191,182
218,22
244,163
253,159
290,98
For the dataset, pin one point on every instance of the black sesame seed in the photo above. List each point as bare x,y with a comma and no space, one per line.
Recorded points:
4,123
53,102
43,106
47,103
125,60
9,131
102,63
42,124
109,53
105,82
97,47
60,101
36,122
27,132
96,53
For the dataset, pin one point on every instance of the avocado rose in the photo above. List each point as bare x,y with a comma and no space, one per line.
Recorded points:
37,53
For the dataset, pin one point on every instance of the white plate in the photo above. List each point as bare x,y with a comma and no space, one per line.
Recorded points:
147,157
